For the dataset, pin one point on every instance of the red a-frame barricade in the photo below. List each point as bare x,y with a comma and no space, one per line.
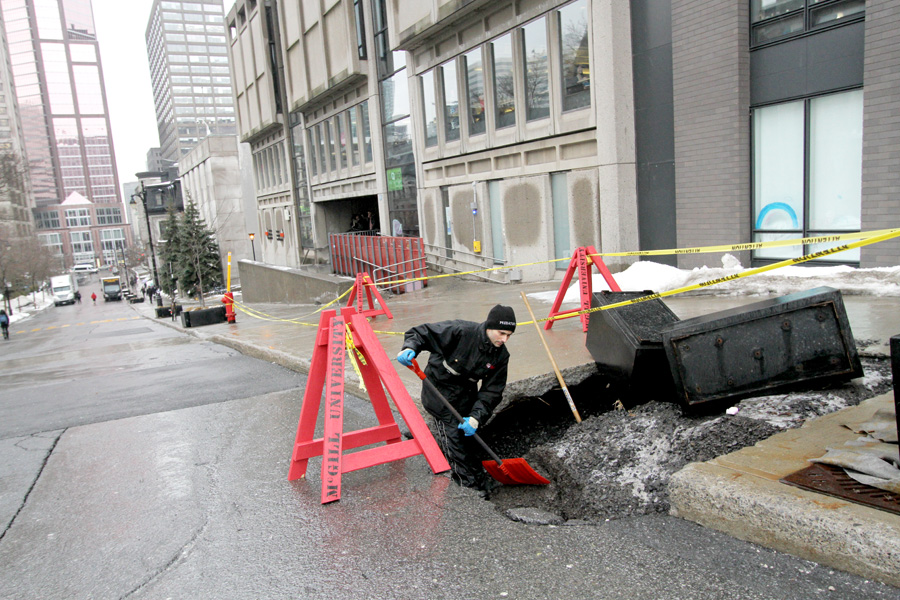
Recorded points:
327,373
581,261
365,287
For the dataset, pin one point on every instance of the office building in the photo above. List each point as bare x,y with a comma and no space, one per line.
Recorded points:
16,196
189,73
510,132
58,79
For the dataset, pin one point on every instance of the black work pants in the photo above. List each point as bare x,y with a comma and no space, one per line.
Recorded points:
461,453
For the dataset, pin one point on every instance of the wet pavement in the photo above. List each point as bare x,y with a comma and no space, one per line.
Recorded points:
195,503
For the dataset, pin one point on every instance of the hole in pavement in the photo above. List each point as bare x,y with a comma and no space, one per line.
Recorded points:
539,422
617,463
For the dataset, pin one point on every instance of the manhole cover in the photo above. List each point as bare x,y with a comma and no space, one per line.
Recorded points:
831,480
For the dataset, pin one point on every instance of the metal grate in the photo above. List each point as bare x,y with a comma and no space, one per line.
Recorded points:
831,480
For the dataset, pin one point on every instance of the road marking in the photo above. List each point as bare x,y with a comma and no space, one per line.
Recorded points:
51,327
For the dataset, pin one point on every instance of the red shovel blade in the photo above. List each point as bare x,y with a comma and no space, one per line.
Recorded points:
514,471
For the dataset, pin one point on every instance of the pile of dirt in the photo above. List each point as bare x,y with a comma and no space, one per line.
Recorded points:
618,463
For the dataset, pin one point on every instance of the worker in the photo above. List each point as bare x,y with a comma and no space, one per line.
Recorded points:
462,354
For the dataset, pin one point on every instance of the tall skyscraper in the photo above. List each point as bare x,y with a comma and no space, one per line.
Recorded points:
16,198
190,75
58,82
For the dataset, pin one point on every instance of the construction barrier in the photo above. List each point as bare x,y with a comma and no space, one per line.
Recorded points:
339,333
580,263
364,288
394,263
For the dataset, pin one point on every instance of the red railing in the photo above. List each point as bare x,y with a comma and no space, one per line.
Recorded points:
384,258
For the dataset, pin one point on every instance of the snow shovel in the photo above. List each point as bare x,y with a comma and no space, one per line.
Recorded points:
512,471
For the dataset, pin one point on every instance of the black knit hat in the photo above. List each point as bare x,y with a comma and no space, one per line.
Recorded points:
502,318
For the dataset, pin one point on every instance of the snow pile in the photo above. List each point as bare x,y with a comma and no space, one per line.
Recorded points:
23,307
648,275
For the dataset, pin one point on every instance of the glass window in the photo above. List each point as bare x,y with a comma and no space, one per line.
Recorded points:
83,53
354,137
81,242
360,29
312,155
835,145
323,166
808,182
329,142
776,19
109,216
367,134
451,102
47,219
475,91
398,142
340,130
825,15
48,19
395,95
536,60
575,68
767,9
78,217
53,241
504,82
430,108
59,86
778,170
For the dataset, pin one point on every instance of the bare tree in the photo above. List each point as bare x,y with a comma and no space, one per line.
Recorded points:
36,264
10,268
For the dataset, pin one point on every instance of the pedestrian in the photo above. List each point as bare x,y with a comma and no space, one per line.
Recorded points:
77,296
462,354
4,324
94,297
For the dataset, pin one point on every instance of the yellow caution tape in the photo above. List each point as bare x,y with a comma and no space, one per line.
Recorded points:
822,239
356,357
258,314
696,250
890,234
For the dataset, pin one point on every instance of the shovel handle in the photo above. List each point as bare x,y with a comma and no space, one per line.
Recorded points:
415,368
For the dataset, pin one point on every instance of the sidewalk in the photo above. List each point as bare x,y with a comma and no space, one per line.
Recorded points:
738,493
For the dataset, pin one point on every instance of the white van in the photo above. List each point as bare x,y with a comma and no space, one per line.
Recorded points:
85,268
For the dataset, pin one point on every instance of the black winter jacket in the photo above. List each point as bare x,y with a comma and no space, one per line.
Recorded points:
471,357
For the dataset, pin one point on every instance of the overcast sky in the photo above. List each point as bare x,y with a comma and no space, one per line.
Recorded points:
120,32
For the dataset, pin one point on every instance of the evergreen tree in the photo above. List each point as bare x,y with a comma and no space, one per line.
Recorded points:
169,252
200,268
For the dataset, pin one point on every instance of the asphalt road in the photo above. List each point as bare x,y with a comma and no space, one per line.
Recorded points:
94,362
184,494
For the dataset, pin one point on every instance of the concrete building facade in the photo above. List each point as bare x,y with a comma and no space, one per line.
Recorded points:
511,132
211,176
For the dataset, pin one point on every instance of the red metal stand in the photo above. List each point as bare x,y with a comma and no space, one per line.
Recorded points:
363,286
327,374
581,260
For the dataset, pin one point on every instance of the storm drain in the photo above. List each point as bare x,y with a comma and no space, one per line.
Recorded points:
833,481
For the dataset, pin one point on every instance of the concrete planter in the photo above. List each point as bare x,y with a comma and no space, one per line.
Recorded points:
206,316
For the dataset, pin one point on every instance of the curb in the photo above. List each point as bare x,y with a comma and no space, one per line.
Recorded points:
740,494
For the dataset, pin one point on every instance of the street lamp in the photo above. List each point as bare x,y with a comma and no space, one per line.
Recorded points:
252,247
143,196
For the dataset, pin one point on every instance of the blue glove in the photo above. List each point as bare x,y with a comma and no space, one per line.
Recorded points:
406,357
469,426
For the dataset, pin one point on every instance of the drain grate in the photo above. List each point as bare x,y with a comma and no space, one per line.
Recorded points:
831,480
